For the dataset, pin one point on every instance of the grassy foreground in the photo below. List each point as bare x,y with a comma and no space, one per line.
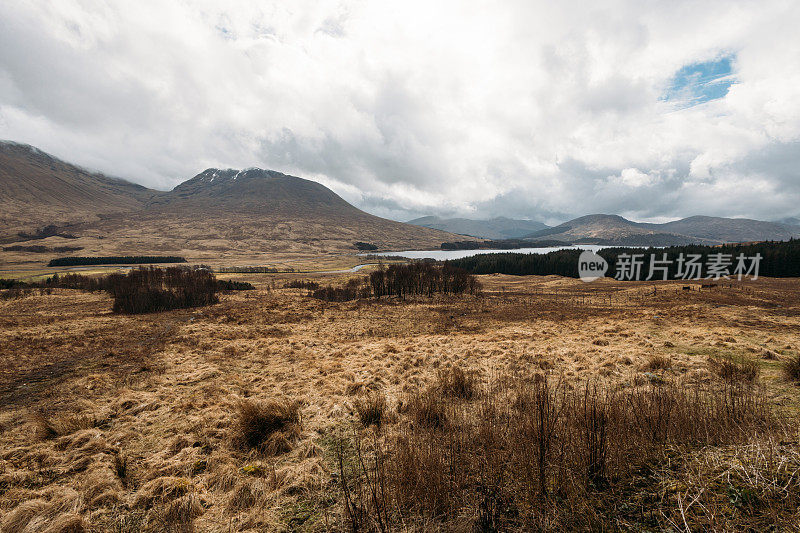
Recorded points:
544,403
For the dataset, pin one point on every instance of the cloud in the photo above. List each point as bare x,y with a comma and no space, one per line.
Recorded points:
651,110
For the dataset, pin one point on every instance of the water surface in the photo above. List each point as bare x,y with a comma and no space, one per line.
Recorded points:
442,255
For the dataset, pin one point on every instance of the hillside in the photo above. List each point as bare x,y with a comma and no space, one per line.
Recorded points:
38,190
730,229
618,231
606,229
494,228
50,205
253,190
254,211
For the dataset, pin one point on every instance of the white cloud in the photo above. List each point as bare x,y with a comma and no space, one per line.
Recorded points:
632,177
517,108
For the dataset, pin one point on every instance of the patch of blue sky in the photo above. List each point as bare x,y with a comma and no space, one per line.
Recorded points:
698,83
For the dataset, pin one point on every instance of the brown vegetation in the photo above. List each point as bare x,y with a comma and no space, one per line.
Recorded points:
401,281
510,460
371,409
269,427
734,370
446,412
146,290
791,368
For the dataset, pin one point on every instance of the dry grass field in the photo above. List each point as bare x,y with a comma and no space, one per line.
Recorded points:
270,410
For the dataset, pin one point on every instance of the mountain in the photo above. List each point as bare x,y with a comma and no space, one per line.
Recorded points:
254,211
254,190
730,229
615,230
38,190
788,221
224,215
495,228
218,215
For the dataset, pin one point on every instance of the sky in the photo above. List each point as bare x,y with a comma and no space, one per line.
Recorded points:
540,110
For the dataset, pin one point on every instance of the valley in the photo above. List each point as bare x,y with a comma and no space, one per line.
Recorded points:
297,356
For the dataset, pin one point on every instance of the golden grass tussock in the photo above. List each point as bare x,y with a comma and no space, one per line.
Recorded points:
457,383
59,513
735,370
656,363
49,427
270,427
371,409
791,368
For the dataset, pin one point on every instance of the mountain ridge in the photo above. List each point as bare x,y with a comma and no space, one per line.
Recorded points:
493,228
229,211
697,229
38,189
217,213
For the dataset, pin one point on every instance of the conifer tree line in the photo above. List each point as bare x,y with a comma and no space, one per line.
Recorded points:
778,259
115,260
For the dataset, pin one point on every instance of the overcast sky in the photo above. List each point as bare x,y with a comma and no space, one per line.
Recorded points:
542,110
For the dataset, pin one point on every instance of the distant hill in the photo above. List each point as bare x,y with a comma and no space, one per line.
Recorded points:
254,190
614,230
218,213
495,228
789,221
252,214
730,229
257,210
38,190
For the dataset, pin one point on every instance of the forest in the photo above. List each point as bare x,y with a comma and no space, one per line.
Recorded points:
777,259
115,260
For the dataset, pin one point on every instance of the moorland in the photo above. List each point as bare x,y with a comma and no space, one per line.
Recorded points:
539,402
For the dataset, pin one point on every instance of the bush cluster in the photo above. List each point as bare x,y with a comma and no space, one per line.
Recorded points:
302,284
145,290
231,285
403,280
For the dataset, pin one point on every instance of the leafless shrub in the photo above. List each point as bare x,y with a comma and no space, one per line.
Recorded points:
538,454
